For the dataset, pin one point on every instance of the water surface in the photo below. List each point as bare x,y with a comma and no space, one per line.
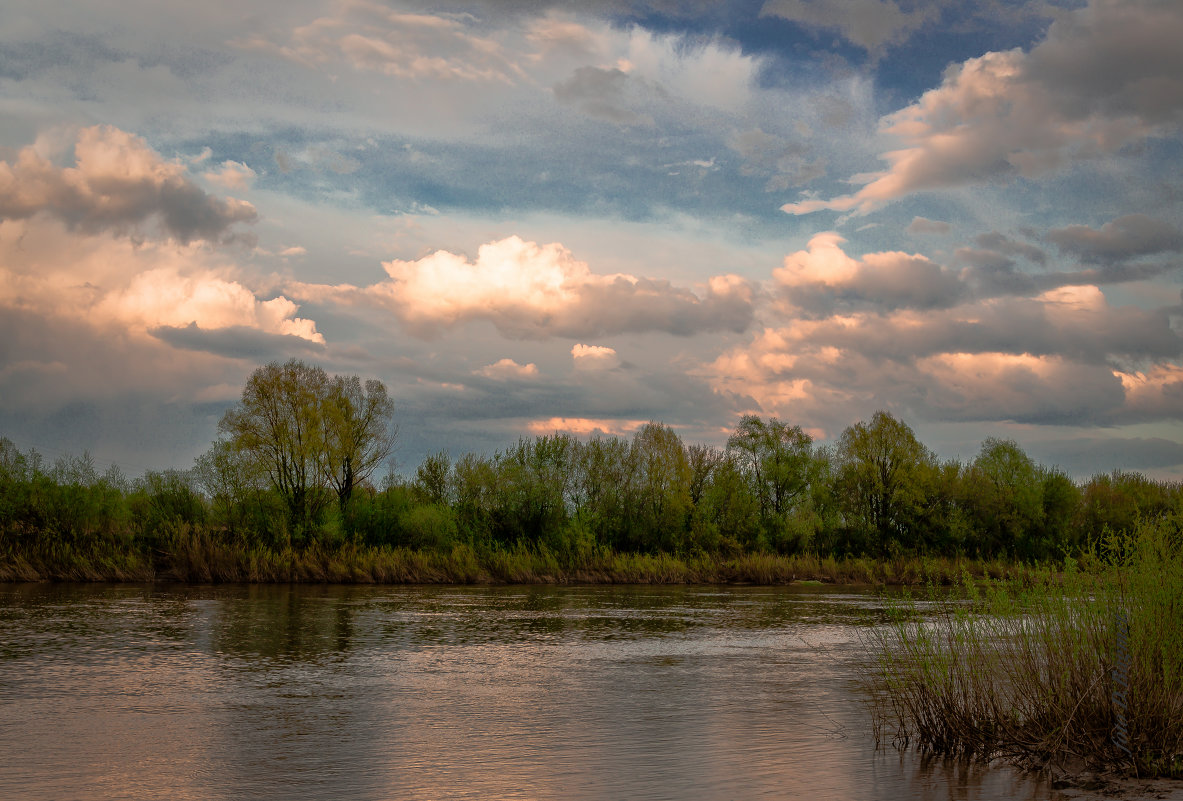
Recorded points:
311,692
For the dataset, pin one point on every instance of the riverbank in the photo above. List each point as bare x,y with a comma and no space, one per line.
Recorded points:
1090,786
195,556
1077,668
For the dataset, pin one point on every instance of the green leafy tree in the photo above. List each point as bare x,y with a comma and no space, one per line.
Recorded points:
727,517
604,477
278,423
1006,496
661,487
431,478
884,478
308,434
357,434
779,464
234,481
1061,501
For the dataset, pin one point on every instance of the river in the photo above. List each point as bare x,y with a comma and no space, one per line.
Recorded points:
330,692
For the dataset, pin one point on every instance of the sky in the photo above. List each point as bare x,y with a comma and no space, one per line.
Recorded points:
536,217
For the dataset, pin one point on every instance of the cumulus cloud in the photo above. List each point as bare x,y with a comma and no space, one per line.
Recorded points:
583,426
527,290
870,24
1064,356
1155,393
1018,386
507,369
141,289
117,183
232,175
1106,75
165,297
1124,238
823,277
594,357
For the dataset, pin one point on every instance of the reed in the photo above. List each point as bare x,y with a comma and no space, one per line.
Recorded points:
1032,670
199,554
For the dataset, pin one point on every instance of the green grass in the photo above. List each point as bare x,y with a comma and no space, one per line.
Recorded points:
1024,670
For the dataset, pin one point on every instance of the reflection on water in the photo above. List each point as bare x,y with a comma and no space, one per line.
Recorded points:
284,692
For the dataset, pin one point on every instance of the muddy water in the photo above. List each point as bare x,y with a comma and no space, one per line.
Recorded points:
308,692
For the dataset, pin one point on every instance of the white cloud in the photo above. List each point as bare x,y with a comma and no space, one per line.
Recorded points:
822,277
112,283
594,357
232,175
529,290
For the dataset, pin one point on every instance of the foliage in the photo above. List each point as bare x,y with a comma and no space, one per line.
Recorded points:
306,433
294,471
1031,670
885,477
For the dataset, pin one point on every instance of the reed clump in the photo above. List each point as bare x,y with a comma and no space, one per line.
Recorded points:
1080,666
185,552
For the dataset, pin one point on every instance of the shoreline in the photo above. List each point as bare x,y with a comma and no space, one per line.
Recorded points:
200,560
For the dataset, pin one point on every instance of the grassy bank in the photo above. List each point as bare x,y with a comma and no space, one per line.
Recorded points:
1079,667
189,554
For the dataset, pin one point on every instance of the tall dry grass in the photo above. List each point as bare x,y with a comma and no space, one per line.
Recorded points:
1030,671
188,553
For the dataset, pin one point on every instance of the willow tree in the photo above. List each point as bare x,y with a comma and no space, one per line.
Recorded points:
308,433
277,423
357,435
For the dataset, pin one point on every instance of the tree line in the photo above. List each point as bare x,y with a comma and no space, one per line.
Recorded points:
296,461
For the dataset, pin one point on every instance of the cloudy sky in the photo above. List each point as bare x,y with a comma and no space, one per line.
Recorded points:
528,217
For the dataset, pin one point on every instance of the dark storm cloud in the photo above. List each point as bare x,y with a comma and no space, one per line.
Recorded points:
236,342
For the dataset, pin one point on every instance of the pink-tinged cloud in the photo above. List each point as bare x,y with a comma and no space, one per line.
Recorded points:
1155,393
532,291
508,370
113,284
594,357
117,183
583,426
1019,386
371,38
1106,75
823,277
232,175
1047,359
